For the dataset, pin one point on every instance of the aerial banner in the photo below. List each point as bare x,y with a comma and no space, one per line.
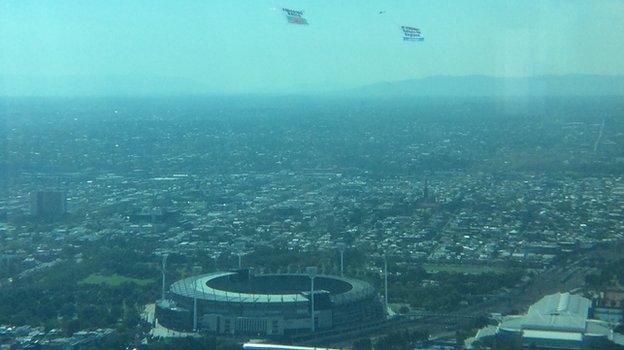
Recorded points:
295,17
412,34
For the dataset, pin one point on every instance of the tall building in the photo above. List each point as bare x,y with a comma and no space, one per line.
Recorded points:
48,203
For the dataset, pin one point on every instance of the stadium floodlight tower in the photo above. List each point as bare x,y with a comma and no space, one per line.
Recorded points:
239,249
312,271
385,282
164,273
240,259
341,247
194,314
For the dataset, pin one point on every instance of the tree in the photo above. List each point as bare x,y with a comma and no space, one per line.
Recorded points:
363,344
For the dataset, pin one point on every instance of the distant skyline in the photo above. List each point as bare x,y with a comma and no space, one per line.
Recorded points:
142,47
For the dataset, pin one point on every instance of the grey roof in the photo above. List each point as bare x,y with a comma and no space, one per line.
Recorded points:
562,304
197,287
511,323
556,312
618,339
488,331
560,316
597,328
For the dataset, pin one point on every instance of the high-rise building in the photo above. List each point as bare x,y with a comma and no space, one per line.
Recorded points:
48,203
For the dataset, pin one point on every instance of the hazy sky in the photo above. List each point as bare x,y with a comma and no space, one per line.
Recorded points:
247,46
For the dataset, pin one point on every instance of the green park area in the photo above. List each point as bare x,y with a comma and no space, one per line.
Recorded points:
115,280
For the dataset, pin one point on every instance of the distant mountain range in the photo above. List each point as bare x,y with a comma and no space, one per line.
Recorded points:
480,85
470,85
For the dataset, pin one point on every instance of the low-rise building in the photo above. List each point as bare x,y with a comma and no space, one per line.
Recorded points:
557,321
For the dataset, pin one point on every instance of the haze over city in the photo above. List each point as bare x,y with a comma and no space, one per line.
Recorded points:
312,175
166,47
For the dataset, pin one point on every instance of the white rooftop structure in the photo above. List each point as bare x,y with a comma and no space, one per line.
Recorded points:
557,321
561,311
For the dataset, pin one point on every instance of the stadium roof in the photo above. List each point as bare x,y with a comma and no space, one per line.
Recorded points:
198,287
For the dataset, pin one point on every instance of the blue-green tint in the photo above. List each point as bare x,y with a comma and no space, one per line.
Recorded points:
151,46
